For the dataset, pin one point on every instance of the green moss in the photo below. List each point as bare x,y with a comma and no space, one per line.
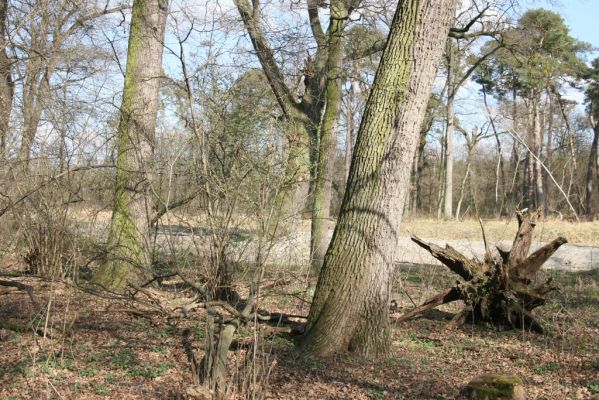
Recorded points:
495,387
125,243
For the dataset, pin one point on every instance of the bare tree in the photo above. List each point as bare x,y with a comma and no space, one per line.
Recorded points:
129,253
44,40
6,84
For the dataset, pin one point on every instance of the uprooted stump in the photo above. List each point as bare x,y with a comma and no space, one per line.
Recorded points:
498,289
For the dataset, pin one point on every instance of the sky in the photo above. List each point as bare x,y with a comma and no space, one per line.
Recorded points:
581,16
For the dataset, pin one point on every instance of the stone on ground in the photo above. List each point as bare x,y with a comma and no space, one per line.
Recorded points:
495,387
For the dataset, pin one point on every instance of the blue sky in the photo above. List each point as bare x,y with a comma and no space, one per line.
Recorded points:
581,16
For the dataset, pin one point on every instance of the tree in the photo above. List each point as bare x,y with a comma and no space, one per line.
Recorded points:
457,75
6,84
539,52
328,133
128,259
592,97
321,88
47,36
350,305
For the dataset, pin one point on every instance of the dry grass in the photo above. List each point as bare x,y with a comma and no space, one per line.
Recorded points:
581,233
586,233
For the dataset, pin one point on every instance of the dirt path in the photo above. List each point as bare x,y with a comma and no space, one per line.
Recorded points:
569,257
293,250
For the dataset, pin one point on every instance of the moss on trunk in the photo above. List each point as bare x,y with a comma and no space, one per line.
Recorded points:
349,309
128,257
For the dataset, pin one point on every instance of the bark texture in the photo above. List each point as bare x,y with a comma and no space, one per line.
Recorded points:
350,305
495,290
451,90
128,259
6,84
593,165
320,95
328,134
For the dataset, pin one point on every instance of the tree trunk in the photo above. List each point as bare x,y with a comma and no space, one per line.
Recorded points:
495,291
328,135
548,147
349,126
350,305
6,83
529,178
448,204
416,174
592,165
515,156
306,112
471,147
35,90
538,145
500,198
128,260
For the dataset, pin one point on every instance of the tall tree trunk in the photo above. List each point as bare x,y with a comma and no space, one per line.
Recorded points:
349,125
538,145
592,165
548,146
417,172
515,157
529,177
471,145
35,89
128,259
6,83
328,135
306,112
350,305
448,203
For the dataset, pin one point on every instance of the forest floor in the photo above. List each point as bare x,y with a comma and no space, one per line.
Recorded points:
78,345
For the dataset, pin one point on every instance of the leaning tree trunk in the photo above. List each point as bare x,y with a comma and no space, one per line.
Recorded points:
128,259
496,290
350,305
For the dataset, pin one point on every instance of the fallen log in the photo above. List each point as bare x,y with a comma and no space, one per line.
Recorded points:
497,290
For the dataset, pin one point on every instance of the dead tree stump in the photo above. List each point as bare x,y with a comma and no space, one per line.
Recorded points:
497,290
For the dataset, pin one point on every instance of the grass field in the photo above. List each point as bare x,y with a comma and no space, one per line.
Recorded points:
469,229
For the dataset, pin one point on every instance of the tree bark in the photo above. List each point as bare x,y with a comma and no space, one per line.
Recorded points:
471,146
418,166
328,135
591,166
6,83
538,145
448,203
529,178
349,125
350,305
129,253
